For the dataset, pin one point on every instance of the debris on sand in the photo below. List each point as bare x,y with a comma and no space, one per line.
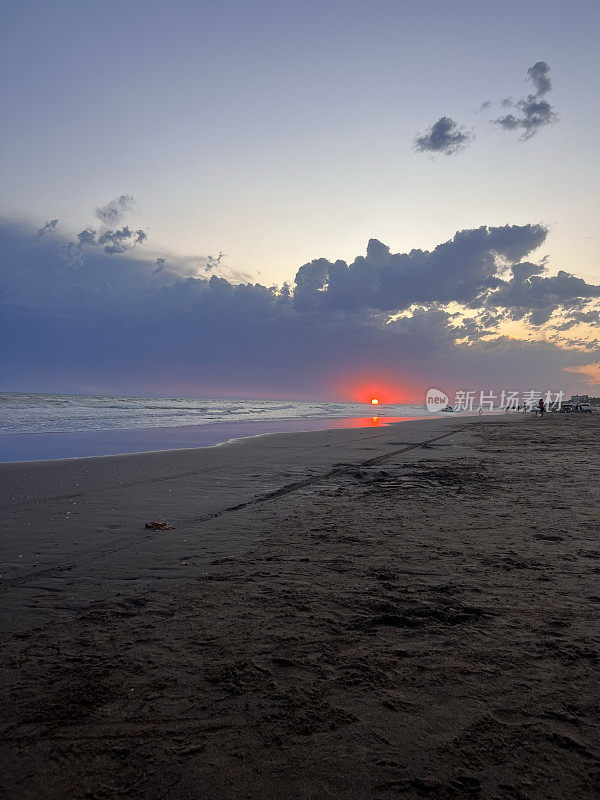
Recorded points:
159,526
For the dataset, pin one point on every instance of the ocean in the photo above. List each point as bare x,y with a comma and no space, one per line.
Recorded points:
54,426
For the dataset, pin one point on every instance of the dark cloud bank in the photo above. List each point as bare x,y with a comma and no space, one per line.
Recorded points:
119,324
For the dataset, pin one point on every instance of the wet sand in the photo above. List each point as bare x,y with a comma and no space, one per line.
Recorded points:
398,615
89,444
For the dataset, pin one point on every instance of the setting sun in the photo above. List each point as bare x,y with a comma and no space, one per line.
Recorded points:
374,402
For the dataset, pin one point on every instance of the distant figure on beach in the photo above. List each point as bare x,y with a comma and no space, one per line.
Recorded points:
541,407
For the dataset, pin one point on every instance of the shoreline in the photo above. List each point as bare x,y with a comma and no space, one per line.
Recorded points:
170,438
416,623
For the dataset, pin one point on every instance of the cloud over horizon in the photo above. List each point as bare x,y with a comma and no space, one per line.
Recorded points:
462,270
135,325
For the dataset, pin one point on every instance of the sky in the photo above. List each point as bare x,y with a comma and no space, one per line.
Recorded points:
181,182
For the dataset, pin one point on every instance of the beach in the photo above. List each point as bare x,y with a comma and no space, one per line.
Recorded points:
73,530
401,611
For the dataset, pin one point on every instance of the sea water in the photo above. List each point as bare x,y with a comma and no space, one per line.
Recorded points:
53,426
69,413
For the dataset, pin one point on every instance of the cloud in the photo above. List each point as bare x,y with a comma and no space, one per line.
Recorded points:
444,136
535,114
539,75
118,241
73,254
213,263
467,270
112,240
87,237
532,112
74,328
591,372
532,296
579,317
197,266
462,270
115,211
48,227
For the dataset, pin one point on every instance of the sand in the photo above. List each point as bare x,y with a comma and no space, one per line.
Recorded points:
72,532
386,619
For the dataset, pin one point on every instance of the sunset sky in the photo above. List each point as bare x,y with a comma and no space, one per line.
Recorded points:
169,167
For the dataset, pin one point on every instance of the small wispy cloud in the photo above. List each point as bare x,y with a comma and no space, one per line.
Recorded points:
111,239
48,227
115,211
214,262
161,263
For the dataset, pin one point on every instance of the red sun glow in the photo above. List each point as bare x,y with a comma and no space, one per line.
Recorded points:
385,389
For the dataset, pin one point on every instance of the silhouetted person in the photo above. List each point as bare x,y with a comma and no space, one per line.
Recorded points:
541,407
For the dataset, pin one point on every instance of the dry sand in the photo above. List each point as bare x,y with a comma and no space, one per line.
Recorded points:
424,625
